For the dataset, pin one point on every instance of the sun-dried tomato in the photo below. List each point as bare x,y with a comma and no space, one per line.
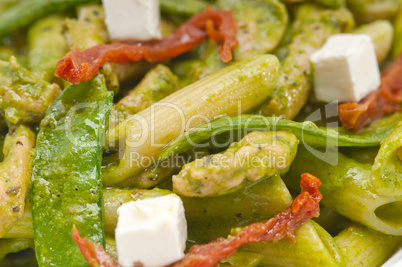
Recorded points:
304,207
77,66
387,99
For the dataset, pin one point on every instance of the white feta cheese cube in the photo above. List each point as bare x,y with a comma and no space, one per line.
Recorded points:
152,231
133,19
345,68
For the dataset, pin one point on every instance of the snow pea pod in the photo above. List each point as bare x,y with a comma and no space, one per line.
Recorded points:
306,131
66,175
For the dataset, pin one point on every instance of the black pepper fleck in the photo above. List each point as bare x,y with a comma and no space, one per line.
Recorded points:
13,190
15,208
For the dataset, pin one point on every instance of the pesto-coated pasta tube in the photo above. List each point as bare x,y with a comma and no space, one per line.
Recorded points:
366,11
311,28
361,246
314,247
347,189
381,33
205,218
261,25
13,245
236,88
387,168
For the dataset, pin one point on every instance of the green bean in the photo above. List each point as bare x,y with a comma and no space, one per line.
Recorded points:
15,173
25,97
366,11
347,188
257,155
26,12
46,46
249,81
361,246
311,28
14,245
90,30
306,131
381,33
387,169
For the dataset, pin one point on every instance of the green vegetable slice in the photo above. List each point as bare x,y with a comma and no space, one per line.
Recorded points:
25,12
387,169
66,175
306,131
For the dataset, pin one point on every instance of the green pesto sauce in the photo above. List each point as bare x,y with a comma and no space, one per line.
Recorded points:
66,176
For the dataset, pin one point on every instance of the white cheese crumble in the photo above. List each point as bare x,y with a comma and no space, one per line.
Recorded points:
133,19
152,231
345,68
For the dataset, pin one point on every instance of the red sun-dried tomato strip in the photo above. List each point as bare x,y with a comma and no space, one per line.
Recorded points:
304,207
95,254
77,66
387,99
